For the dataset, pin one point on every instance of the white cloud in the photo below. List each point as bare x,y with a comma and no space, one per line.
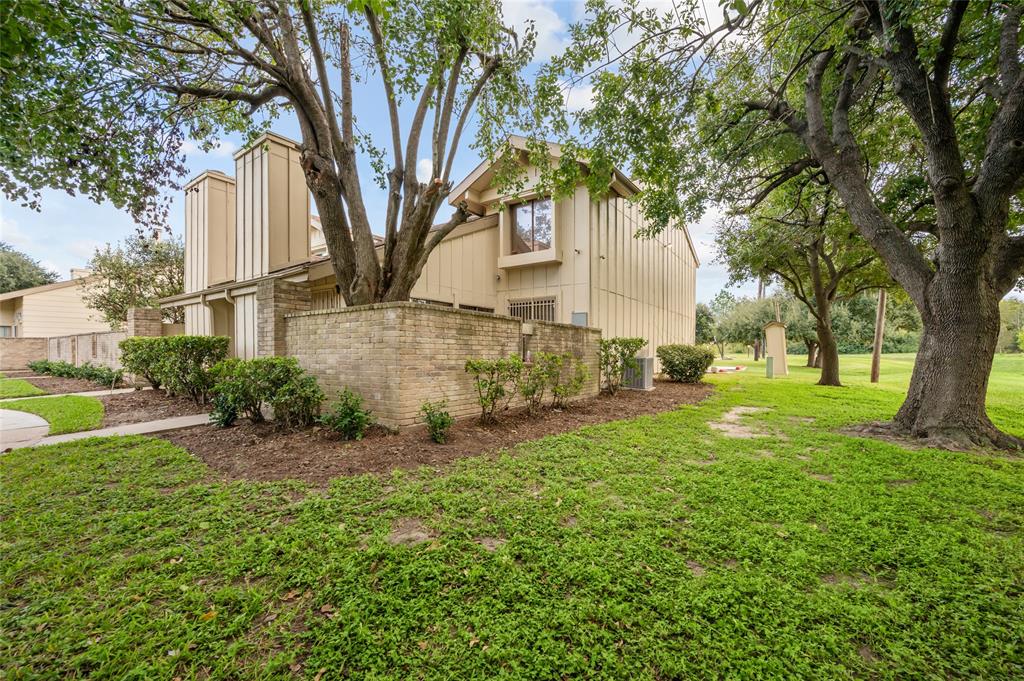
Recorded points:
552,37
221,149
83,248
579,97
12,234
424,169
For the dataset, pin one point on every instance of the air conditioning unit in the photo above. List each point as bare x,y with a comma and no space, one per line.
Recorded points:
640,378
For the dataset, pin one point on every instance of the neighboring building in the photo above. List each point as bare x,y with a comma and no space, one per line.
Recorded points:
573,261
49,310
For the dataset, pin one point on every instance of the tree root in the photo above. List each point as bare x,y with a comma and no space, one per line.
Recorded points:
959,439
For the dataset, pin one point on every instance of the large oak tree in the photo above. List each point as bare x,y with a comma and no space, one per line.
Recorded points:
914,111
101,93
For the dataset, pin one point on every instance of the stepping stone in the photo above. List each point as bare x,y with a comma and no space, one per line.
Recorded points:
21,429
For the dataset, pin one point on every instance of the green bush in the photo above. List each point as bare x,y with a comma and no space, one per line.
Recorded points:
572,376
297,403
141,356
496,381
537,377
438,420
100,375
686,363
244,386
224,413
614,357
348,417
185,366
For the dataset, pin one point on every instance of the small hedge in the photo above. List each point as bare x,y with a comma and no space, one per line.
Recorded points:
347,416
242,387
181,365
100,375
496,382
685,363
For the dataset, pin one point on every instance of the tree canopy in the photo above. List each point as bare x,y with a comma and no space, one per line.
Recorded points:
18,271
115,87
137,273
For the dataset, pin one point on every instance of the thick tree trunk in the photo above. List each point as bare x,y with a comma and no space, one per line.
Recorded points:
828,353
946,398
812,352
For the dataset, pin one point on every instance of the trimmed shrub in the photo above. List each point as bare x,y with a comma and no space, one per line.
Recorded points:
614,357
244,386
141,356
101,375
297,403
438,420
347,416
569,381
496,381
185,364
686,363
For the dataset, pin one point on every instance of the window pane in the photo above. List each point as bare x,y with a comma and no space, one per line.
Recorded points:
522,228
542,220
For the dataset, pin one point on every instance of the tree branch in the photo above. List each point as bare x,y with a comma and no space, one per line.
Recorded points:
944,59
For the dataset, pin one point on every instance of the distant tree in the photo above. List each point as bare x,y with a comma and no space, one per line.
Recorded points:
1020,340
18,271
137,273
800,236
720,307
744,323
705,323
801,326
1011,323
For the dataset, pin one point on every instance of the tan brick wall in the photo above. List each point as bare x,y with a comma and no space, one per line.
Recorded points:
16,353
276,298
399,355
144,322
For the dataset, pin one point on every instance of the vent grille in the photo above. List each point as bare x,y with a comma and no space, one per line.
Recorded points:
640,378
533,310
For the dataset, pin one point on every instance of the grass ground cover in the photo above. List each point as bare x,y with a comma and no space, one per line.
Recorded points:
66,414
655,548
15,387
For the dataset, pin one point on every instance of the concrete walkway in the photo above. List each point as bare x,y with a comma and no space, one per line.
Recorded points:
21,429
145,428
87,393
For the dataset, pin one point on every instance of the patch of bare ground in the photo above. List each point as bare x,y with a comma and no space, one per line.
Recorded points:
821,476
731,426
887,431
695,568
145,405
260,452
868,655
490,544
856,580
55,385
409,531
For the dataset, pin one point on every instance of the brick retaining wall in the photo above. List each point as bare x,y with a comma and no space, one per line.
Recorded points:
399,355
16,353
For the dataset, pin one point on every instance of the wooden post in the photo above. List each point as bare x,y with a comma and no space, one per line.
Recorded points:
876,351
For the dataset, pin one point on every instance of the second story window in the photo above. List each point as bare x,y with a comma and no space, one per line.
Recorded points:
532,223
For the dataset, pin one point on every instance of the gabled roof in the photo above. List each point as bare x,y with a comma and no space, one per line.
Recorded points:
483,175
10,295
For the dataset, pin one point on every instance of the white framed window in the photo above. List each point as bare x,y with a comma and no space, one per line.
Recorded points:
533,309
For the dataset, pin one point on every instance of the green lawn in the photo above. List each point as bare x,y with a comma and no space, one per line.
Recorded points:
66,414
15,387
656,548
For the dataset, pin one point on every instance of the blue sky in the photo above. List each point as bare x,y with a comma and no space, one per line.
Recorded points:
68,229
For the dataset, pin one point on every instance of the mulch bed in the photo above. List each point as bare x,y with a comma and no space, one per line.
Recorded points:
145,405
55,385
259,452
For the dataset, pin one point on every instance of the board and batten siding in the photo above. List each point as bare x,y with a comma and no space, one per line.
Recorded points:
209,231
245,331
640,286
272,208
58,312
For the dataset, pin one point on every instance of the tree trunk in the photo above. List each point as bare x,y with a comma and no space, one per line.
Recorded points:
876,349
946,398
812,352
757,349
828,352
